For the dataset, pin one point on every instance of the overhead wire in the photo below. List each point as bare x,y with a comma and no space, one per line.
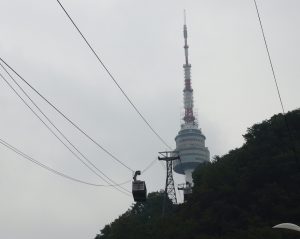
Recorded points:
149,166
113,78
75,125
269,56
51,130
276,84
67,118
19,152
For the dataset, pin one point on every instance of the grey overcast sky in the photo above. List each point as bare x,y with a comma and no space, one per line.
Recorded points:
141,42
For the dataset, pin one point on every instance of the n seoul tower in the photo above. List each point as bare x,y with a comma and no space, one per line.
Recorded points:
190,142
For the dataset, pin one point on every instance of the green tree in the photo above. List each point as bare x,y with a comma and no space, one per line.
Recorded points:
240,195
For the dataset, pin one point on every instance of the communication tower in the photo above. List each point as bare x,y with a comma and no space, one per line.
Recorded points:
190,142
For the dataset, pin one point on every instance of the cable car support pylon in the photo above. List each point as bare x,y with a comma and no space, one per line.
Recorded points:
169,157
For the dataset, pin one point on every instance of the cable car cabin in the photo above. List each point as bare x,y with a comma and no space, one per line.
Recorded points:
139,191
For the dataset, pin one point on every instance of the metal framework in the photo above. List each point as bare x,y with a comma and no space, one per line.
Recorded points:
169,157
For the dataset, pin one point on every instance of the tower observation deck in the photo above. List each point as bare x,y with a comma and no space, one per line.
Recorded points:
190,142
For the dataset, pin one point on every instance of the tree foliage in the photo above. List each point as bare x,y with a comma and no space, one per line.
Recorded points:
240,195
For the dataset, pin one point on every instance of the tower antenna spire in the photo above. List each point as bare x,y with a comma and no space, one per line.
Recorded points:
189,117
186,47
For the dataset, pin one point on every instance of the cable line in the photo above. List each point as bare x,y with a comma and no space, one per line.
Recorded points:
269,56
113,78
58,131
51,130
149,165
19,152
91,169
277,87
67,118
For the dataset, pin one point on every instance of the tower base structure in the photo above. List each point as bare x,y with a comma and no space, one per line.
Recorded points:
187,191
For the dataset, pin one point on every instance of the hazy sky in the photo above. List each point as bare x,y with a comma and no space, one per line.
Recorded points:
141,42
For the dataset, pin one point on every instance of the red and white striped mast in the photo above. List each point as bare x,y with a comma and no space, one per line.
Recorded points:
189,117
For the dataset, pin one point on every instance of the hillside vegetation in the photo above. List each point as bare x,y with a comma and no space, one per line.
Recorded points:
240,195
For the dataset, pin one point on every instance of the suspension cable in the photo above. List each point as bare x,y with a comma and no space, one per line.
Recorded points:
67,118
113,78
277,87
51,130
19,152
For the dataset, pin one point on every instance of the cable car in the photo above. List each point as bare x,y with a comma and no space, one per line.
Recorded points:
139,190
